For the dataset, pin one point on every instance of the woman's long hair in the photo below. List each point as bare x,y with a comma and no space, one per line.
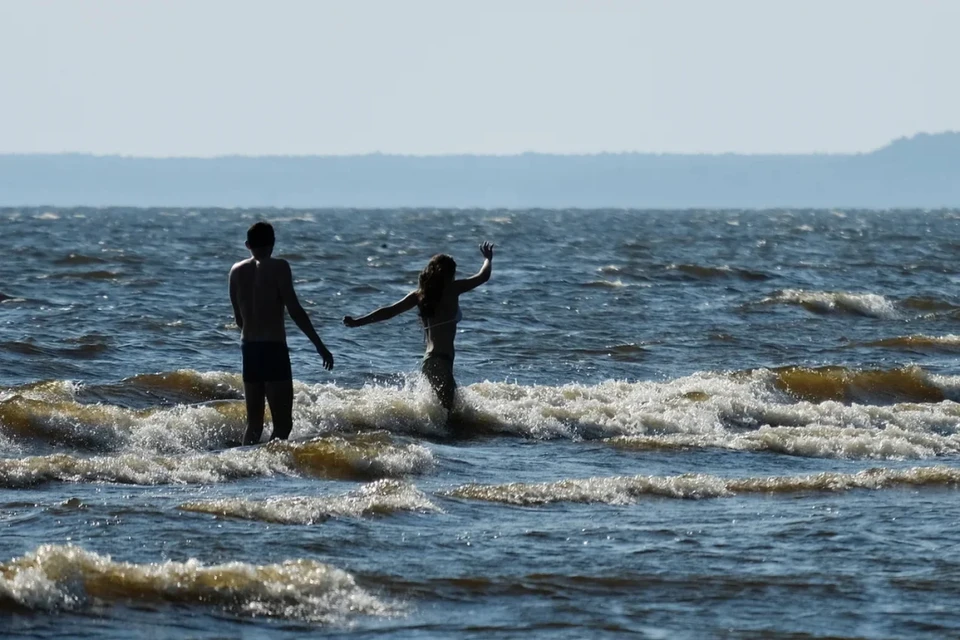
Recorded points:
433,279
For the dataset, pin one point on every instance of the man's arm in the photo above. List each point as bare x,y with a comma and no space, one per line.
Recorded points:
481,276
234,299
408,302
299,315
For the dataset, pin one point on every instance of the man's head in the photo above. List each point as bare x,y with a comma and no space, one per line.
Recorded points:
260,240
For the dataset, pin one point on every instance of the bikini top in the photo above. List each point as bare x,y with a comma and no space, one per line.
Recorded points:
427,325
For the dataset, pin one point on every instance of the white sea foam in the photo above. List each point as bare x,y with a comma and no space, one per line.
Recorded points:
56,577
382,497
702,404
627,490
867,304
411,408
830,411
364,457
50,412
102,427
816,441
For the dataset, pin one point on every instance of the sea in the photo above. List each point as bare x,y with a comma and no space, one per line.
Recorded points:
669,424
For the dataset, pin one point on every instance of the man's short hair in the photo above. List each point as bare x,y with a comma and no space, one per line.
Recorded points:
260,235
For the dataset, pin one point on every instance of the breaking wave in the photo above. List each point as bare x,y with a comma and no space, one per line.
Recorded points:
182,386
826,411
363,457
828,302
56,577
380,498
830,412
627,490
187,411
102,427
814,441
876,386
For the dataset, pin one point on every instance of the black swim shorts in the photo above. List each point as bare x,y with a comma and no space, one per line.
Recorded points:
266,362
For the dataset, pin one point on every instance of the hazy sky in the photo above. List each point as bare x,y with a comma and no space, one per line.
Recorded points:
214,77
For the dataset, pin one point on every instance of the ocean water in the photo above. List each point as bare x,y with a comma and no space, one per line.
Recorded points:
682,424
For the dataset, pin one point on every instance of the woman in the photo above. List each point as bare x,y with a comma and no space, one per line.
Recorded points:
438,299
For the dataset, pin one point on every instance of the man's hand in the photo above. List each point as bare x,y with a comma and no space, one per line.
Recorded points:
350,322
327,357
486,249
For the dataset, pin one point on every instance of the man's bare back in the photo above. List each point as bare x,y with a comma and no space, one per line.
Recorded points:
261,288
258,287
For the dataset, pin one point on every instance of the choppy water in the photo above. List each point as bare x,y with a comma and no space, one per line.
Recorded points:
686,424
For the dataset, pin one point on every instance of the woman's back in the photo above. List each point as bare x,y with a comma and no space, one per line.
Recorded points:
440,328
438,299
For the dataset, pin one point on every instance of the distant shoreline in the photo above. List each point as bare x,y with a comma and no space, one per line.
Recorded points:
918,172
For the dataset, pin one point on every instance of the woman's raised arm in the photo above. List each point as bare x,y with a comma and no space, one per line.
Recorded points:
474,281
408,302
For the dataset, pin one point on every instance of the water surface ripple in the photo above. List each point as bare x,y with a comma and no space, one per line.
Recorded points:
680,424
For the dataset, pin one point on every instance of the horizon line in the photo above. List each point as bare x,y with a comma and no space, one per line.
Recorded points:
373,154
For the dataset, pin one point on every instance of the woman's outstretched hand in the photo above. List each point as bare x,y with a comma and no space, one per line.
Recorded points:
350,321
486,249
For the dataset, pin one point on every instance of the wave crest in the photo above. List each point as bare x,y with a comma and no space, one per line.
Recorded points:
183,386
627,490
827,302
56,577
79,352
708,407
919,341
876,386
99,427
702,272
365,457
380,498
716,407
362,457
814,441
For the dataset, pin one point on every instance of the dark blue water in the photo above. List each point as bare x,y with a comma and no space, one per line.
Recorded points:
680,424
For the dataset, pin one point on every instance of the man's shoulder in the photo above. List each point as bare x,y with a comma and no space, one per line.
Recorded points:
240,265
278,264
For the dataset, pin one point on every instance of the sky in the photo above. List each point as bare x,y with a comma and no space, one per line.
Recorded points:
303,77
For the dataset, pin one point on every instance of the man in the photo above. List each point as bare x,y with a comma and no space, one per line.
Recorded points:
260,288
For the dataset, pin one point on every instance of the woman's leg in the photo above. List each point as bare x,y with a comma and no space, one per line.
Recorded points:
439,372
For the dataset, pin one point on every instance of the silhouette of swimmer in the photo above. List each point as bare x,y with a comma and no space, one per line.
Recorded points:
260,288
438,299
